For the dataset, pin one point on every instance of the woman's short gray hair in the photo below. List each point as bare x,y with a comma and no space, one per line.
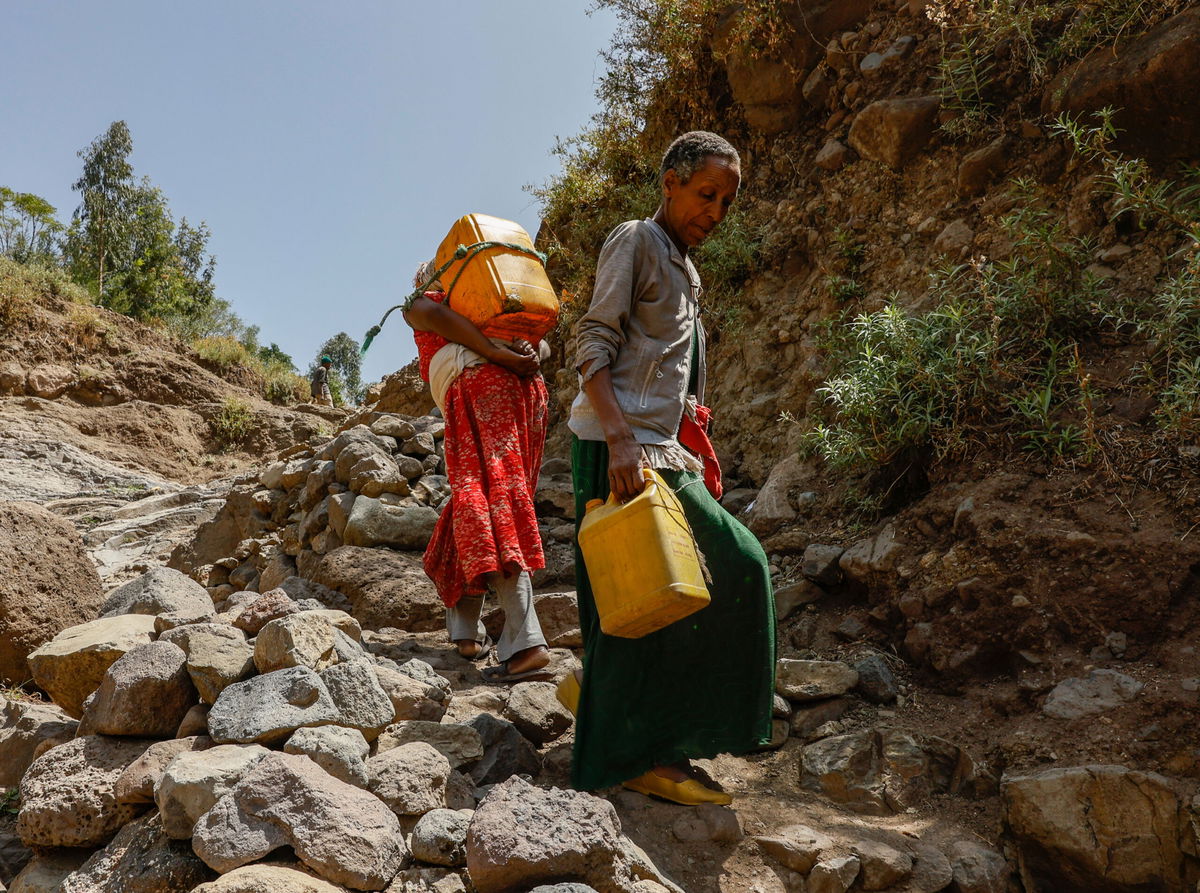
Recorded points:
688,153
424,270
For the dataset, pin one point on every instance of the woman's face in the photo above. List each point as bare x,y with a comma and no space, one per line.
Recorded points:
693,209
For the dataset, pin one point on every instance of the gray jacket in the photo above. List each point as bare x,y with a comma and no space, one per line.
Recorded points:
640,323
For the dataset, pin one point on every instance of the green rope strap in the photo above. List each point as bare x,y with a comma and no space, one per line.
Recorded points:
465,253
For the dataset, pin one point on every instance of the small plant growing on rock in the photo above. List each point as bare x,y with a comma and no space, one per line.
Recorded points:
231,426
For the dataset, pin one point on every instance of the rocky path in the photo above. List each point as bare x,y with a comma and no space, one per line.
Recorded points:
287,716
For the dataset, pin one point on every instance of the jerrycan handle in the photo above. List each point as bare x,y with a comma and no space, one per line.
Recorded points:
651,483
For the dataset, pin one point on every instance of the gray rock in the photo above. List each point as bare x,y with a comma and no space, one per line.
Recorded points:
791,596
708,823
506,752
72,665
440,838
24,726
813,680
145,693
954,239
521,835
536,712
797,847
820,564
885,771
411,699
340,751
138,781
140,859
420,444
217,656
1100,691
194,780
344,834
555,497
459,744
360,701
882,866
808,718
979,869
876,681
877,554
410,779
388,425
260,878
68,797
834,874
305,639
372,523
45,873
271,605
161,590
268,708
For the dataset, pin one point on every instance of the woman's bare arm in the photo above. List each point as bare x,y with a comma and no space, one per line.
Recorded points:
430,316
625,458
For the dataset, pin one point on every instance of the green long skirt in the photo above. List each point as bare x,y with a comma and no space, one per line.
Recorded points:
700,687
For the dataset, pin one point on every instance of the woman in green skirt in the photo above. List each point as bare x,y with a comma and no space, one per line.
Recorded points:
703,685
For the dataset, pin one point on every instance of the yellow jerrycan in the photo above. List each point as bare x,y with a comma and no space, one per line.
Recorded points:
506,293
642,561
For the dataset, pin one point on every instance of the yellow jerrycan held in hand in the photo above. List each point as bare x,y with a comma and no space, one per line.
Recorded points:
642,561
505,292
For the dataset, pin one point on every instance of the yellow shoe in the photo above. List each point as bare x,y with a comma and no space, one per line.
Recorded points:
568,693
688,793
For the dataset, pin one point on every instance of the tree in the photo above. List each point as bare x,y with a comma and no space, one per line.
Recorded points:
29,231
347,367
99,226
124,245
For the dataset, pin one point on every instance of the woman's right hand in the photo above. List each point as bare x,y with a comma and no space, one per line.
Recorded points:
625,463
524,363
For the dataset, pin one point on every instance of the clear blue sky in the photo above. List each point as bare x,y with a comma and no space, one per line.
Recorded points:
328,145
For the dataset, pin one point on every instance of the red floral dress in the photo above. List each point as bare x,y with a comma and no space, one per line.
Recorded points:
495,432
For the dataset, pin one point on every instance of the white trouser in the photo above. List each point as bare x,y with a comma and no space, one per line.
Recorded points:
521,627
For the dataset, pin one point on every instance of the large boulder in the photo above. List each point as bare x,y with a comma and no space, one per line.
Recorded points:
343,833
410,779
340,751
261,878
24,727
68,795
140,859
218,655
361,702
374,523
49,583
879,772
194,780
894,131
522,836
72,665
267,709
1149,81
139,780
1096,829
385,588
145,693
161,590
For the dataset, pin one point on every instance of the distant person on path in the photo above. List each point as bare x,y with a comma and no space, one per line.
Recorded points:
705,684
494,402
320,383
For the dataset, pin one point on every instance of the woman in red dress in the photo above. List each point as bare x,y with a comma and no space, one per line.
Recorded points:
494,403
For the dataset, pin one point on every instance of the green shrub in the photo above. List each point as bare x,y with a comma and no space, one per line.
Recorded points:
231,426
990,352
225,351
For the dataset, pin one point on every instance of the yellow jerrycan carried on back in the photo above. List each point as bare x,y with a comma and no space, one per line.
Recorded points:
642,561
505,292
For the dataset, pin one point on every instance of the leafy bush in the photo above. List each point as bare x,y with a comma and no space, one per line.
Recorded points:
231,425
996,350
